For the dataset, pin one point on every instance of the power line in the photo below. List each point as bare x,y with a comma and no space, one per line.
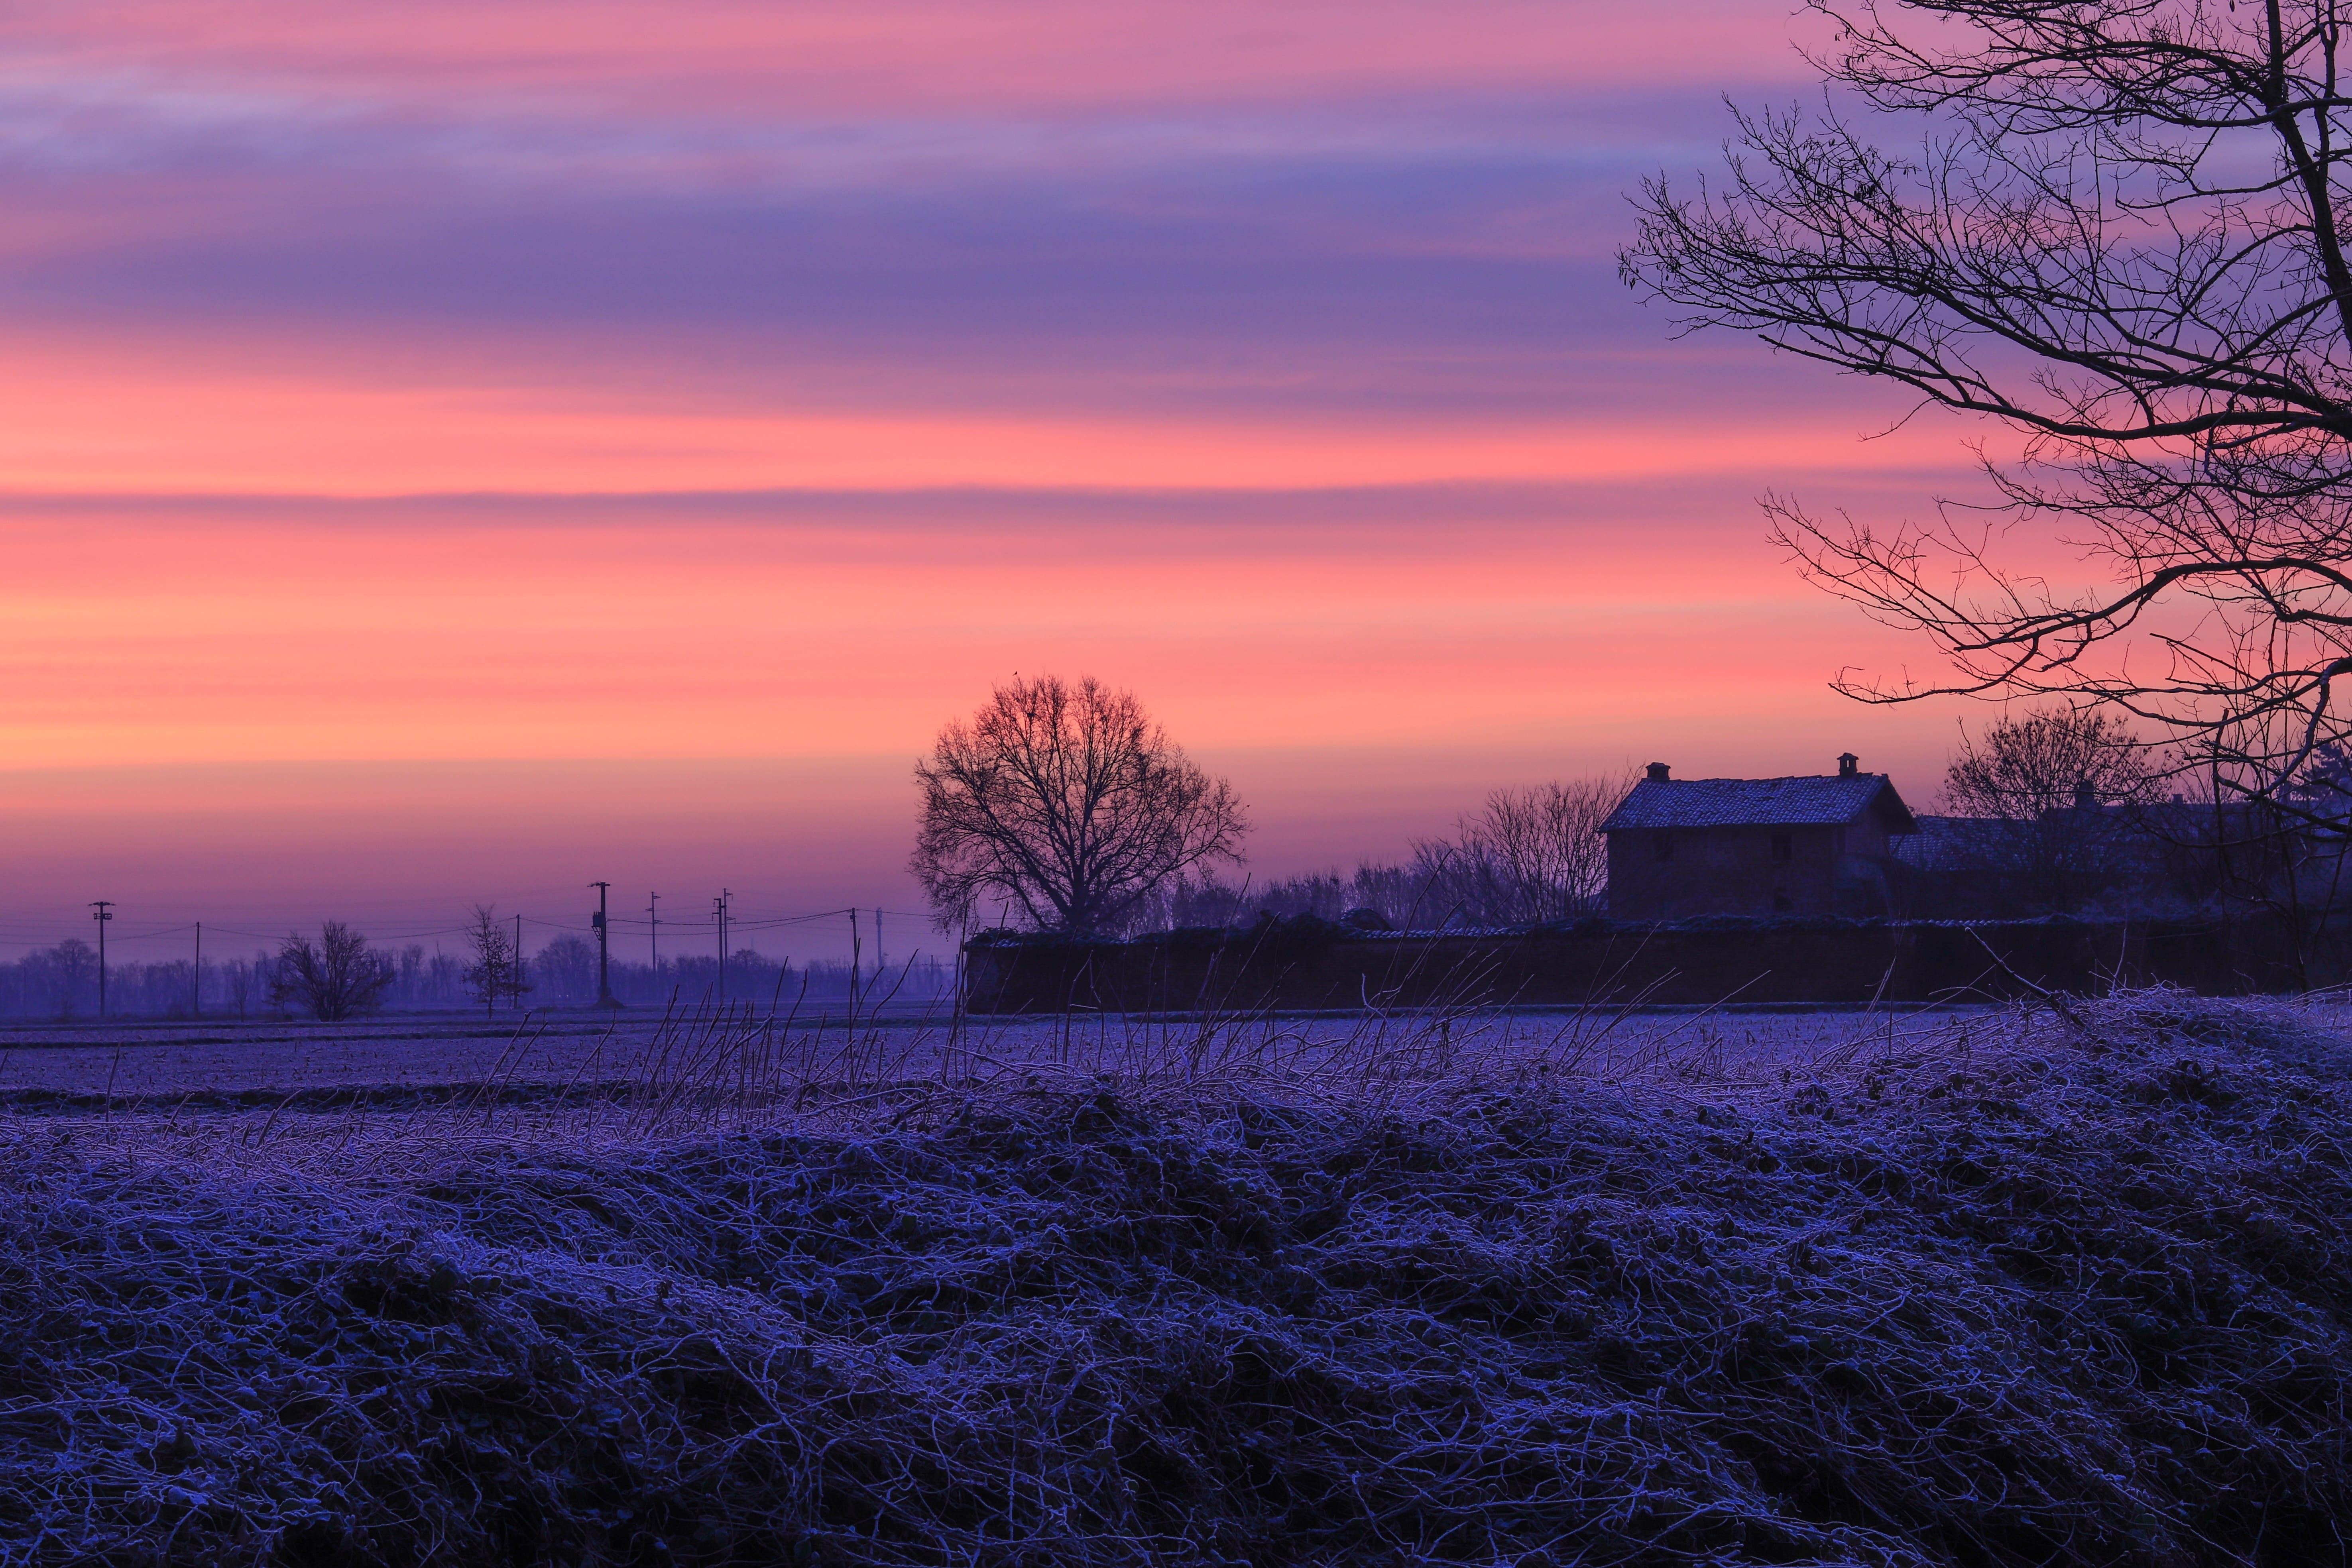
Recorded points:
385,937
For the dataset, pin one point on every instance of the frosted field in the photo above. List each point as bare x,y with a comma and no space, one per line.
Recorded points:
726,1292
414,1082
225,1062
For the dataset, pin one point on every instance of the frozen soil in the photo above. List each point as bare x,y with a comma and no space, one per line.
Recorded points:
2069,1287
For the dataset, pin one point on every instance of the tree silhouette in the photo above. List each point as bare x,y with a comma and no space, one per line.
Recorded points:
2119,235
1067,802
336,978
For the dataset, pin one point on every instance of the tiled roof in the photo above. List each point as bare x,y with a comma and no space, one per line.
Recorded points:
1812,800
1949,843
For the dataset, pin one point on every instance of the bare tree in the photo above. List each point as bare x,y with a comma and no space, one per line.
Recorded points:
493,973
568,967
1527,856
2118,236
239,975
74,963
2037,797
1068,803
1387,891
333,979
2046,761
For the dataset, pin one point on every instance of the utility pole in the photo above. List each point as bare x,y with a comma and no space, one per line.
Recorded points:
517,964
604,970
879,965
718,906
653,931
855,955
196,991
105,908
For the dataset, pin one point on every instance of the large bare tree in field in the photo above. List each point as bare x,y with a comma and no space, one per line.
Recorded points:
2115,227
337,978
496,969
1066,803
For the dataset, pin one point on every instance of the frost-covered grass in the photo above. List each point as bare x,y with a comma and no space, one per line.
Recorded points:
2079,1297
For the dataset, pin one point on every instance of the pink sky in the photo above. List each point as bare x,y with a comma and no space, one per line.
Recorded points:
451,453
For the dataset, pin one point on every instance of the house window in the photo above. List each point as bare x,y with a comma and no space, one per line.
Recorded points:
1784,848
1662,844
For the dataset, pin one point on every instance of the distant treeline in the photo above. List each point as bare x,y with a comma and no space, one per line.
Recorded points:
61,982
1526,857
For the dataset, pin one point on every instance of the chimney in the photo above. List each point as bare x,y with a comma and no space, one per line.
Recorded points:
1849,765
1655,773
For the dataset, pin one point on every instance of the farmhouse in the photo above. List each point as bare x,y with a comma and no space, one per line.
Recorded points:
1817,844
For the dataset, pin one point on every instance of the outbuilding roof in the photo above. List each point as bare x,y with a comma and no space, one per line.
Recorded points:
1810,801
1952,843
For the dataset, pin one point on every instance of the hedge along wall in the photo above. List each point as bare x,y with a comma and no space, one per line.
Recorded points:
1313,964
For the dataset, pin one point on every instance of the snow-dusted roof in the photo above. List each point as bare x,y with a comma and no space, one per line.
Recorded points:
1811,801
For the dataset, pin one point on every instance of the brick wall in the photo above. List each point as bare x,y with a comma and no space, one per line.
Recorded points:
1311,965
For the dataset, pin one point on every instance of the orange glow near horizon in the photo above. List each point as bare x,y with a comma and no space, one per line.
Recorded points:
442,447
465,633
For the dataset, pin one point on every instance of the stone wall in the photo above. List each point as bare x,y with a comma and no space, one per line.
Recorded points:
1312,965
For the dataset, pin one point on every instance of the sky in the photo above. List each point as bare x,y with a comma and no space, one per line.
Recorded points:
451,453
